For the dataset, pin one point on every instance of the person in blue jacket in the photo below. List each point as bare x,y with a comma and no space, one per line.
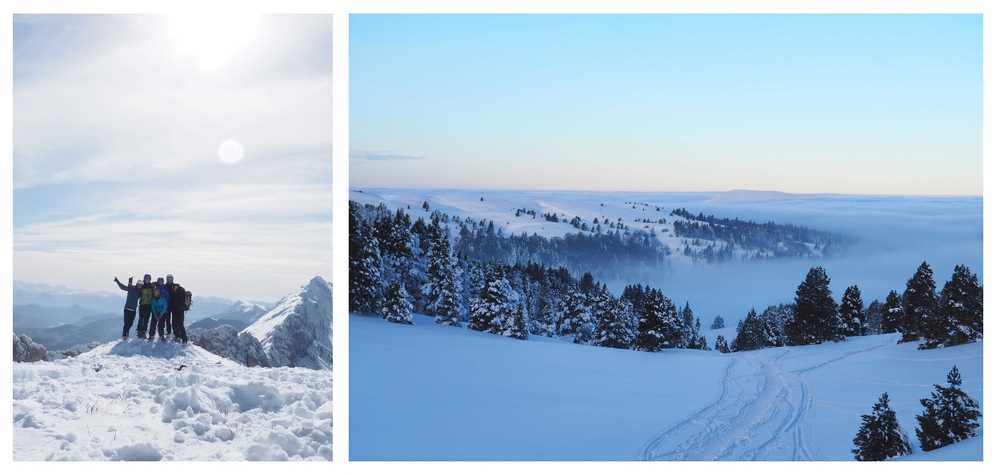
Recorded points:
165,291
159,313
131,302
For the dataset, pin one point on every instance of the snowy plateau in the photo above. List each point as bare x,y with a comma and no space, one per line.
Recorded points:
433,392
143,400
429,392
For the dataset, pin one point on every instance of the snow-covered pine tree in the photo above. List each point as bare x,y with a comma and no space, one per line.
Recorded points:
441,289
892,313
515,326
852,311
718,323
614,324
495,305
776,318
752,333
880,436
962,306
873,318
397,305
689,333
721,345
815,319
578,319
920,306
659,326
365,275
700,344
551,310
949,415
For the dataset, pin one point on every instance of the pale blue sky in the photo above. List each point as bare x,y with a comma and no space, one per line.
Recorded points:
882,104
118,123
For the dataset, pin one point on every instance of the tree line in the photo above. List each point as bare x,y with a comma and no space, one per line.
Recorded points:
937,319
398,267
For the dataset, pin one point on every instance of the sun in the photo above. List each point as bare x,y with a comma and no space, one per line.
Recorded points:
230,152
212,40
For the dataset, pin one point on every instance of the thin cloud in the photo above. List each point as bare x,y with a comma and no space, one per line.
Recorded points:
382,156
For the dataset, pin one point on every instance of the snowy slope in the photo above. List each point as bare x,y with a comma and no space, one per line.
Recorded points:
632,209
432,392
297,331
134,401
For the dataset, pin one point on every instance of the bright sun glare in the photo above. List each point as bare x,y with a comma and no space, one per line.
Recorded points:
211,40
230,152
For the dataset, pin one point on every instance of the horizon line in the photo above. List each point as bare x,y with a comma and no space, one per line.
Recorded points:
732,190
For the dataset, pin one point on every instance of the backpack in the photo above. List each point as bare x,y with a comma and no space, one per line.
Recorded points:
187,300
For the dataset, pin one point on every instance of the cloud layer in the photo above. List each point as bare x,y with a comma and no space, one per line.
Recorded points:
120,137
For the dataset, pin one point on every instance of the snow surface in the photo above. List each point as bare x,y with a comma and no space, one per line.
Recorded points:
298,330
133,400
429,392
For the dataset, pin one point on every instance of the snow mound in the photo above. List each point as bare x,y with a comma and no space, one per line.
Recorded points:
159,350
140,400
297,331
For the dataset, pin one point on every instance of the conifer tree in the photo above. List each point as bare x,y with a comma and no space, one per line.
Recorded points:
892,313
852,311
495,305
815,319
721,345
659,326
552,310
718,323
441,290
873,318
962,307
753,333
614,324
689,338
880,436
949,415
515,325
578,320
397,305
365,274
920,306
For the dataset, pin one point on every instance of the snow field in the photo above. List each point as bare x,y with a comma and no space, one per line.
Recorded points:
134,401
427,392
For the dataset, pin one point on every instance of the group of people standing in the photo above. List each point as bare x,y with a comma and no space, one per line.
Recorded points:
161,306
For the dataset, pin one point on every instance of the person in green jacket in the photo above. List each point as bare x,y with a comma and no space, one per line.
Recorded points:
145,304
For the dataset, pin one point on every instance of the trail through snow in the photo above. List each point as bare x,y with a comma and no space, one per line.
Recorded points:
759,414
545,399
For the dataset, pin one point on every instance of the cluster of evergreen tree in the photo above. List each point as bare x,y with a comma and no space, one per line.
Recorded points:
953,317
949,416
399,266
613,253
766,239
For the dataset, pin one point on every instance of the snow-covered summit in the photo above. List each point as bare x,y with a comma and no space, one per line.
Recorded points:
297,331
245,306
154,352
142,400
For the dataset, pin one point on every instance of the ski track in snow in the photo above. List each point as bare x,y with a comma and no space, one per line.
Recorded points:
760,413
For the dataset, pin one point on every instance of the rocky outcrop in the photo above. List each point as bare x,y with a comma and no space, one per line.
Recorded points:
27,351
